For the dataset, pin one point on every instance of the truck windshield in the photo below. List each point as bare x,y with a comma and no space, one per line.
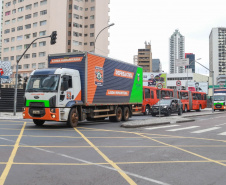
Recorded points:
219,98
43,83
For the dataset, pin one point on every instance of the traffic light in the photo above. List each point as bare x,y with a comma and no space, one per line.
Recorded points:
53,37
25,81
19,79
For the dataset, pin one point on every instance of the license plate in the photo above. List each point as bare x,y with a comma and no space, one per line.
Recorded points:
36,112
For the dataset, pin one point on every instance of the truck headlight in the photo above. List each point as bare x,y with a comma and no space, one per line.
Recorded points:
52,110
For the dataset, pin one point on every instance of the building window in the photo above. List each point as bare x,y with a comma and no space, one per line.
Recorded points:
7,31
6,58
26,46
6,49
8,4
43,12
42,54
76,34
13,20
75,43
19,28
91,43
14,1
7,22
26,66
91,25
34,45
76,7
92,8
41,65
35,34
86,9
19,37
35,5
12,58
28,7
28,26
35,24
76,16
7,13
34,56
12,48
69,33
19,1
92,17
19,66
42,23
12,39
69,42
43,2
42,33
27,36
19,47
85,43
12,29
91,34
35,14
13,11
20,9
34,64
20,18
43,43
28,16
26,56
6,40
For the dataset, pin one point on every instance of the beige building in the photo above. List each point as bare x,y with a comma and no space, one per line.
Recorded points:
144,58
77,23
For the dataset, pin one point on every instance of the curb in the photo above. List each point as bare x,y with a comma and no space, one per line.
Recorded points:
144,125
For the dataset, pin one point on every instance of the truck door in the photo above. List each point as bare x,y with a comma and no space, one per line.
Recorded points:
66,90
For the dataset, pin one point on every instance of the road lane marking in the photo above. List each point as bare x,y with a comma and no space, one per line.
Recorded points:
203,157
12,156
122,173
221,124
222,134
153,128
205,130
184,128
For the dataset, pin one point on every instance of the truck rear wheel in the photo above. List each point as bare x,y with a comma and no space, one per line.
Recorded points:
125,114
73,118
118,116
38,122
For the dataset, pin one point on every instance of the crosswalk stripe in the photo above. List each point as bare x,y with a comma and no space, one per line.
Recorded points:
184,128
153,128
205,130
222,134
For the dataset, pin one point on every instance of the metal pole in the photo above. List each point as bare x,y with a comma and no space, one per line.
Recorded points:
187,78
159,100
15,91
213,92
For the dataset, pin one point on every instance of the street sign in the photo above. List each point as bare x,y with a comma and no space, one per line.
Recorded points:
178,83
182,62
159,86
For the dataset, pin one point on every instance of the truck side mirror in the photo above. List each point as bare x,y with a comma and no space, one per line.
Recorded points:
64,86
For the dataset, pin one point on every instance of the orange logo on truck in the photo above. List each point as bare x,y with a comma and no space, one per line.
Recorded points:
66,60
123,74
117,93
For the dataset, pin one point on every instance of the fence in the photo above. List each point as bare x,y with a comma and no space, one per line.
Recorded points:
7,100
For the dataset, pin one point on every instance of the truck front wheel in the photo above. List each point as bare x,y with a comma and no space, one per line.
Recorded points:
38,122
73,118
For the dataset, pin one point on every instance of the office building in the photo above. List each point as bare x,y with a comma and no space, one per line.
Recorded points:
77,23
217,52
156,65
144,58
176,45
191,65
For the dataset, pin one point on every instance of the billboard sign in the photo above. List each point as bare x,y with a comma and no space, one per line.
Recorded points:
152,79
198,86
6,71
182,62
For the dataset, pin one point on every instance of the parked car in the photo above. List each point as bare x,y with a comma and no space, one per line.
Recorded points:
167,107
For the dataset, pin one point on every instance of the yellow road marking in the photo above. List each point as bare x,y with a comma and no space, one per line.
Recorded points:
12,156
122,173
206,158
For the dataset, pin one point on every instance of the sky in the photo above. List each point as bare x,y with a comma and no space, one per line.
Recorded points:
155,21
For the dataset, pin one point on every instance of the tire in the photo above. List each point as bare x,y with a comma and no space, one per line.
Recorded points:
180,112
73,118
38,122
125,114
221,109
118,116
199,109
147,110
169,112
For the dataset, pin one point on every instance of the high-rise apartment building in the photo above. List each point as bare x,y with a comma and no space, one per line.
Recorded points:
156,65
144,58
176,46
77,23
191,65
217,52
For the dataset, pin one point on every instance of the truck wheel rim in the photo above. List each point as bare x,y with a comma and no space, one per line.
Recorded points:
119,114
74,118
126,114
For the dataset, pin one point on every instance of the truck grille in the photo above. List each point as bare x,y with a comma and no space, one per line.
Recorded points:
218,105
37,104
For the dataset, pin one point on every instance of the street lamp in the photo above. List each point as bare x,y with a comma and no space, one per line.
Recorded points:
187,69
100,32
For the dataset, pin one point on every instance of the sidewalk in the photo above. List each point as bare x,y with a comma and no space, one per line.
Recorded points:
152,121
9,115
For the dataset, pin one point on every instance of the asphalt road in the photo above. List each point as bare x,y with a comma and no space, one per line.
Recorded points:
192,153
